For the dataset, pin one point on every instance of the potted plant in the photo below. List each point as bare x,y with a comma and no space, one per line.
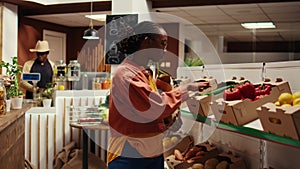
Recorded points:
13,91
47,94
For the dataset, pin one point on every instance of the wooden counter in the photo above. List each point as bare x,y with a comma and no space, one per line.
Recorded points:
12,137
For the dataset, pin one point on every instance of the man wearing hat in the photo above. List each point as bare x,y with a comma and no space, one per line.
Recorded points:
41,65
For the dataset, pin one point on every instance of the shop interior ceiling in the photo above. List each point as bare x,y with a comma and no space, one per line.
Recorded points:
213,17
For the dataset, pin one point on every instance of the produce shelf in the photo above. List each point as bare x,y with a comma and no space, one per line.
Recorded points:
243,130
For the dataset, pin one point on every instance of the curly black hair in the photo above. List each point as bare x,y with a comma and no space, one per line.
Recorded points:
131,43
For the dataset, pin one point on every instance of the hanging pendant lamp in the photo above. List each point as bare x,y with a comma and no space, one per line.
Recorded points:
91,33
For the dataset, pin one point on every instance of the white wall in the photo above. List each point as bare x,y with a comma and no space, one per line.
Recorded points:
10,32
258,57
286,70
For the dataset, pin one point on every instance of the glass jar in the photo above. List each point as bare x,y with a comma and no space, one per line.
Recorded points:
96,83
2,98
38,99
73,71
60,72
105,84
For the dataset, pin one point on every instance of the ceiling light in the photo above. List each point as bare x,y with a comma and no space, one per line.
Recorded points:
57,2
258,25
98,17
91,33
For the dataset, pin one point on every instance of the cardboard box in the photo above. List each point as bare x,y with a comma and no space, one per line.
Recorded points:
210,152
235,80
200,105
283,121
212,84
281,85
183,141
237,112
240,112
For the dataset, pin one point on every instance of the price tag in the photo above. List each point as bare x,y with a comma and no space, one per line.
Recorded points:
31,76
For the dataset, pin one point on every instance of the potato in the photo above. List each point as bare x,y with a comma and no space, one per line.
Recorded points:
198,166
211,163
222,165
178,155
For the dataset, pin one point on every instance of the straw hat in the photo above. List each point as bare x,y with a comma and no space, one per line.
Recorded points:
41,46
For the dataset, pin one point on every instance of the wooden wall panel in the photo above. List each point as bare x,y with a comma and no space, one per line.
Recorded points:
90,52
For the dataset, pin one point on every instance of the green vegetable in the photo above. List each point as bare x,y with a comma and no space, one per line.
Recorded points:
218,90
48,92
193,61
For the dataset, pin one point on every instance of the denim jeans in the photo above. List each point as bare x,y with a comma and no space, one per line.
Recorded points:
131,159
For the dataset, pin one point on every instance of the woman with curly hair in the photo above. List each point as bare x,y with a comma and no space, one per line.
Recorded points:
136,109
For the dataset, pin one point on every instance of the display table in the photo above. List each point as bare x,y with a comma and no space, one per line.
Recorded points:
85,139
12,132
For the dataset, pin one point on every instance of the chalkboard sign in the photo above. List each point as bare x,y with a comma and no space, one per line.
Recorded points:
115,25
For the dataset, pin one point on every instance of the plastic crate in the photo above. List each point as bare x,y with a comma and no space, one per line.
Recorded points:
85,115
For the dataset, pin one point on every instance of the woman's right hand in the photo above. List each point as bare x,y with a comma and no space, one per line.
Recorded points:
197,86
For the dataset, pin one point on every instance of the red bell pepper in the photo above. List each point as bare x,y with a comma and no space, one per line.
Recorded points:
232,94
259,97
247,90
263,89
